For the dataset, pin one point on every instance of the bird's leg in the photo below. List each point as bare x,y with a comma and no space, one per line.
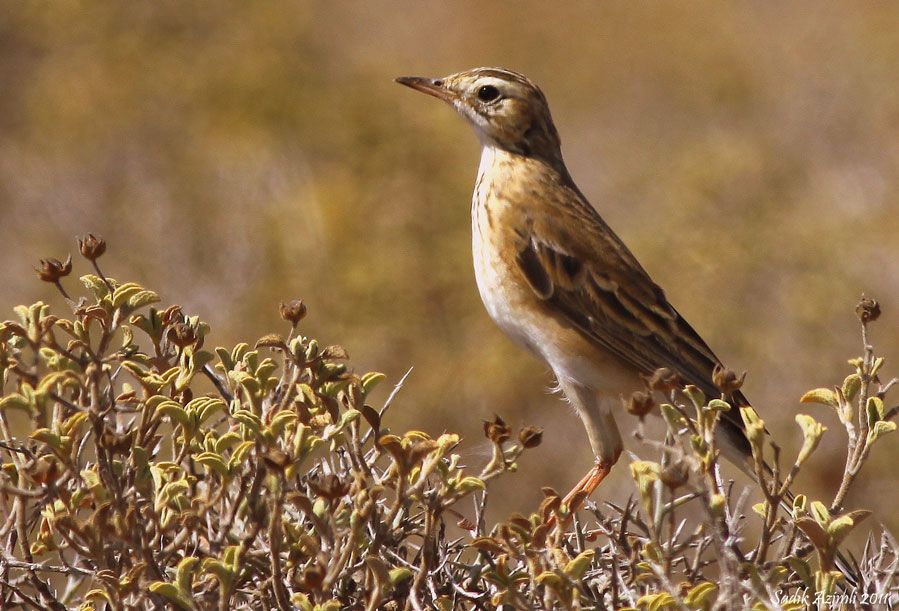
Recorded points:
602,433
583,489
587,485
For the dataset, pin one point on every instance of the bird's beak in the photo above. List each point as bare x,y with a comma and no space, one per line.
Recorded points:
430,86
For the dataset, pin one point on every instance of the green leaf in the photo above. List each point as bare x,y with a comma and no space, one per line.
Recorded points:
184,573
550,579
204,407
240,452
248,419
645,473
71,424
232,557
221,571
674,418
700,595
656,602
141,299
47,437
718,405
175,412
399,574
872,413
840,527
170,592
857,515
755,430
49,381
280,421
697,397
370,380
305,391
880,429
470,484
802,569
98,594
777,574
875,407
95,285
824,396
238,352
716,504
348,416
699,445
851,385
820,513
800,505
579,565
125,292
16,401
811,432
225,358
227,441
213,461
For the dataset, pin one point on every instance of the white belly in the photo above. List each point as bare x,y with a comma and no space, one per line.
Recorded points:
517,310
499,290
498,285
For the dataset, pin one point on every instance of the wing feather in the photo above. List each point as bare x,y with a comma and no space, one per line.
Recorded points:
607,296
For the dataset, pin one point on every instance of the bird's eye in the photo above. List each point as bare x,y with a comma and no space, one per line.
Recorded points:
488,93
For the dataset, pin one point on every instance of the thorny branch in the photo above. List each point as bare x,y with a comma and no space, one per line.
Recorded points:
152,471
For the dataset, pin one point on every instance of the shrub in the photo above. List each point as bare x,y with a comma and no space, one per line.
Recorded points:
154,473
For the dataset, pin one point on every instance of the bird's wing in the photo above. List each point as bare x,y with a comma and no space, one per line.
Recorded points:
577,265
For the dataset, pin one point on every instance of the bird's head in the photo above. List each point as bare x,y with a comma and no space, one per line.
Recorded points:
506,109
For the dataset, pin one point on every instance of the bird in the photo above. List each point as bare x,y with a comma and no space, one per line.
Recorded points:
559,281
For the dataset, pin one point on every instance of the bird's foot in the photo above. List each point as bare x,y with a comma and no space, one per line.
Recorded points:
581,491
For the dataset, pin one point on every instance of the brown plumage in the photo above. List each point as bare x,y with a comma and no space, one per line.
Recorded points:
556,278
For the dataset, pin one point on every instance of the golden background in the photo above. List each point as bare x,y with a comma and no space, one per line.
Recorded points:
239,154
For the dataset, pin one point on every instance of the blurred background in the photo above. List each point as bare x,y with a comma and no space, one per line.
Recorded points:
239,154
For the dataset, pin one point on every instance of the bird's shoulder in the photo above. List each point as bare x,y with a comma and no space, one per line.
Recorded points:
576,246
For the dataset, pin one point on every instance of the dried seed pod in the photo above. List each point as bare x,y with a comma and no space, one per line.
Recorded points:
293,311
172,315
640,404
868,310
182,335
727,380
52,270
664,380
276,459
92,247
330,487
530,436
496,430
675,475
